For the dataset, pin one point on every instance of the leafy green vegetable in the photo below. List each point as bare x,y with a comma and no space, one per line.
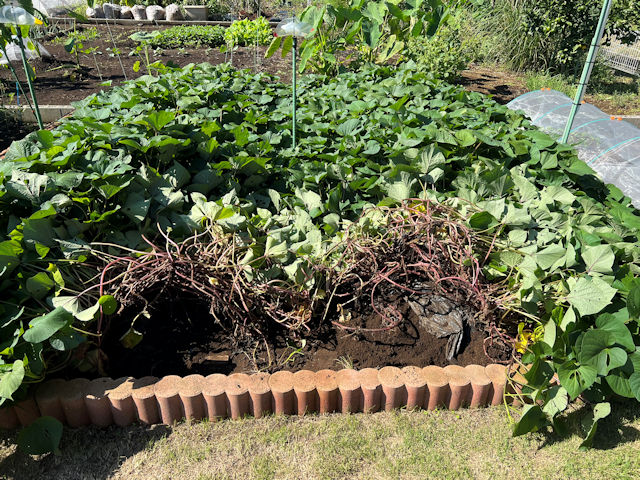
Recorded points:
249,32
181,36
42,436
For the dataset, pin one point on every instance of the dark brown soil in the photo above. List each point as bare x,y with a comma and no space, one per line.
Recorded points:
12,129
60,82
503,85
181,338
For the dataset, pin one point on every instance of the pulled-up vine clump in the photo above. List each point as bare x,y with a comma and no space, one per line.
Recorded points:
207,267
421,243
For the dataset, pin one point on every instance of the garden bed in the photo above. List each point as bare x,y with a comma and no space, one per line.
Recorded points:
400,190
59,81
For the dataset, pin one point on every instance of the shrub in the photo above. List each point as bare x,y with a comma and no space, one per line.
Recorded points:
362,33
248,32
444,54
217,8
547,35
188,36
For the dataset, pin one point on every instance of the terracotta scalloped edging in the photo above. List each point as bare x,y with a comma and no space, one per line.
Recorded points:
149,400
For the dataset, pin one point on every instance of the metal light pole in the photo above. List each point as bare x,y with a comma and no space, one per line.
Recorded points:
588,67
292,27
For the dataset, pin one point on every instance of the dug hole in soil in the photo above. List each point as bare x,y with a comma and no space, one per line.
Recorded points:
181,338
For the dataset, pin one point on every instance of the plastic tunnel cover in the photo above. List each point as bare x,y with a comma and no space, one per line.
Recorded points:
610,146
32,49
57,7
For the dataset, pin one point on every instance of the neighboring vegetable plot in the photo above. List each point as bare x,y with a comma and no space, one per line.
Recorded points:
209,145
188,36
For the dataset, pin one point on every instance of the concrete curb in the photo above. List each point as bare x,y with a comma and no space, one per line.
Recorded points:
103,402
49,113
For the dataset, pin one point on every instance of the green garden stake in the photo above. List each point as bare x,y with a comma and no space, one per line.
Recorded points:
18,16
293,82
292,27
588,67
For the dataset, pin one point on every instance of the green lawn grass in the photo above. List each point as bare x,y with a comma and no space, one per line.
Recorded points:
616,94
439,445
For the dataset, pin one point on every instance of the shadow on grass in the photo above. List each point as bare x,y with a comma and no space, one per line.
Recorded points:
617,84
86,453
613,431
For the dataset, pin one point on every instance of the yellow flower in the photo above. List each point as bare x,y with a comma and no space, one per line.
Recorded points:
526,337
421,208
522,342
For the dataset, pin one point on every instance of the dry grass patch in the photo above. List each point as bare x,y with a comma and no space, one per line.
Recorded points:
441,444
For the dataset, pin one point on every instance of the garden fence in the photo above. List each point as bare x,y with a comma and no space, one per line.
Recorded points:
625,58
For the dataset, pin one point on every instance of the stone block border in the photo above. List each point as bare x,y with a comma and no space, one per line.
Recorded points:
125,21
149,400
49,113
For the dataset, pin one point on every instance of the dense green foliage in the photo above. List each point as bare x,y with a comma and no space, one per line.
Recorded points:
249,32
549,34
206,144
188,36
446,54
362,32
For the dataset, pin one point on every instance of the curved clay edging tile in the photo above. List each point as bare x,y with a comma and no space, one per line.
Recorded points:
149,400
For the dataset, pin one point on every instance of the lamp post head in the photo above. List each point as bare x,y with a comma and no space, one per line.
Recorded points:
17,16
292,27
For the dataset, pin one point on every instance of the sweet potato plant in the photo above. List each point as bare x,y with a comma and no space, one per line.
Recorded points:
161,159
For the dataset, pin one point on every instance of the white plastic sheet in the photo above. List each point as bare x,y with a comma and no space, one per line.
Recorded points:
606,143
293,27
13,51
17,16
52,8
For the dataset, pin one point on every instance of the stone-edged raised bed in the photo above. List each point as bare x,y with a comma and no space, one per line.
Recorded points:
149,400
131,22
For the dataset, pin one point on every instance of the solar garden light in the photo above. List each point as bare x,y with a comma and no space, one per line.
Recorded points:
18,16
292,27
